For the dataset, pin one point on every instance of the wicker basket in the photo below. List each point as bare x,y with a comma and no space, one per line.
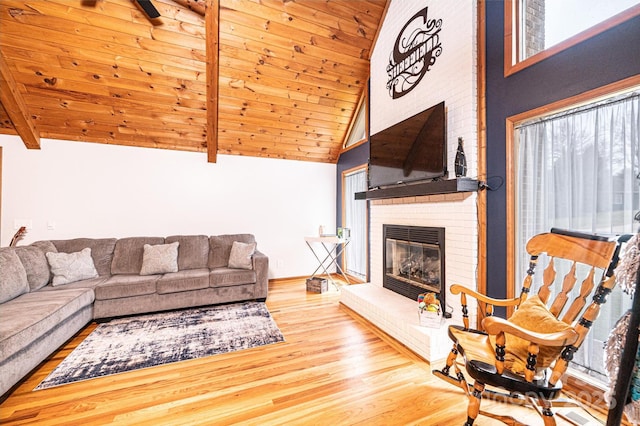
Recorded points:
317,285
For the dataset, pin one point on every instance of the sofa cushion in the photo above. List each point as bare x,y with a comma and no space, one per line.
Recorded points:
71,267
241,255
90,283
118,286
190,279
159,258
193,252
101,250
13,277
224,277
46,310
127,255
220,248
36,266
47,246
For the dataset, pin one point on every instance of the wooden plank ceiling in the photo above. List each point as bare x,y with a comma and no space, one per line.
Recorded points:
290,73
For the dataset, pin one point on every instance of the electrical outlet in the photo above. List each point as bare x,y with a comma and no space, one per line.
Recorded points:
51,225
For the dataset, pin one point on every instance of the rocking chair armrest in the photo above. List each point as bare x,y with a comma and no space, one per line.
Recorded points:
457,288
494,325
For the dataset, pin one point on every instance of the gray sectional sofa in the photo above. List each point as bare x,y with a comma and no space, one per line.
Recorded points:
50,290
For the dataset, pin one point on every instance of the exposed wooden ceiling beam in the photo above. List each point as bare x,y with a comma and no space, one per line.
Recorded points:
16,107
212,20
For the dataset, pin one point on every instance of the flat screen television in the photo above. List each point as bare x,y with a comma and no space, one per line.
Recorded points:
410,151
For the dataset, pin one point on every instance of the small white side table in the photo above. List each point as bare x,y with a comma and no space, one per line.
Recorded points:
331,247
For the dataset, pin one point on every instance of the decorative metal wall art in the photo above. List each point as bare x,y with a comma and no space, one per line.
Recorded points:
414,53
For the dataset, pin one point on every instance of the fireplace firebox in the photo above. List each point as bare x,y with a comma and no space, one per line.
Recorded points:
413,259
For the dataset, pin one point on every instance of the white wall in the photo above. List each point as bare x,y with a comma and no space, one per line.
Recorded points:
70,189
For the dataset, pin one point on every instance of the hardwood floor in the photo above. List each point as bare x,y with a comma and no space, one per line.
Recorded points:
333,369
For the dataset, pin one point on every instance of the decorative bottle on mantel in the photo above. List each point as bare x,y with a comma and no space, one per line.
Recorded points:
460,161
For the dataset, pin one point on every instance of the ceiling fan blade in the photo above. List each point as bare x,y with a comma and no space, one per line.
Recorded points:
149,8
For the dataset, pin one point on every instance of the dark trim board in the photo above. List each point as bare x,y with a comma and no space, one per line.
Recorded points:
446,186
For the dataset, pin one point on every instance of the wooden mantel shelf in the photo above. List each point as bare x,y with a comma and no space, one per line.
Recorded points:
445,186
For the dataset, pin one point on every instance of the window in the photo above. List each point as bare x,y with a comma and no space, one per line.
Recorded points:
578,169
355,218
358,130
536,29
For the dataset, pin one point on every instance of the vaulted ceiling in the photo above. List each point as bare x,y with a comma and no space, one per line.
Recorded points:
283,79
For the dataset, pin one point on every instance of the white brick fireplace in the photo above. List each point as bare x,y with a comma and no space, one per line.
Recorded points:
396,314
453,79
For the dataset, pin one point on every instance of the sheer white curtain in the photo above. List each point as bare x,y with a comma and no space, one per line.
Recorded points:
356,221
579,170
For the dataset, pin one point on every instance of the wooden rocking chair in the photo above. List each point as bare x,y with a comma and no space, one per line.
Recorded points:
528,354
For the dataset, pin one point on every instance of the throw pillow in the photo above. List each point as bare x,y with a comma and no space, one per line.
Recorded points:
159,259
13,277
71,267
241,255
35,265
532,315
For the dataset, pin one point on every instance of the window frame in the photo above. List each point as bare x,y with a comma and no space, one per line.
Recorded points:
512,36
578,384
363,102
511,158
345,173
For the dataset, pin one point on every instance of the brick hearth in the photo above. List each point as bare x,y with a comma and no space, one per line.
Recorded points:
397,316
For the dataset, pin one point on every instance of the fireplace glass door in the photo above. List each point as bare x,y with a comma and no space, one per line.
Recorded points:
414,263
414,260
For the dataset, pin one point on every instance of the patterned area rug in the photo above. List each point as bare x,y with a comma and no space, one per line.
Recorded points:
127,344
